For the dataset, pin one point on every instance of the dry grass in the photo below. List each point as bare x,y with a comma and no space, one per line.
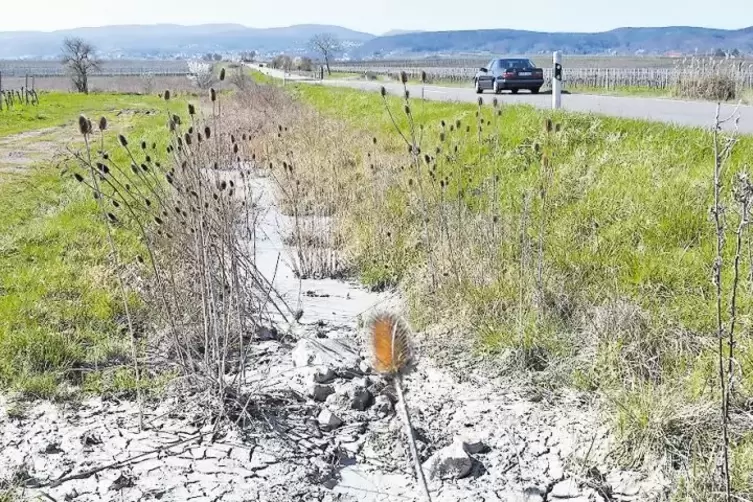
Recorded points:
189,203
550,240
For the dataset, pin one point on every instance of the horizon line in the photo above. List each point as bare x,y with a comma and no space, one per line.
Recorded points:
412,31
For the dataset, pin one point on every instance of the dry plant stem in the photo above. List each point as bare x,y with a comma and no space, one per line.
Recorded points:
717,273
121,286
411,437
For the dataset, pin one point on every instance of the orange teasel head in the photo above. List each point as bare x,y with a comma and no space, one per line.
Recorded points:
388,337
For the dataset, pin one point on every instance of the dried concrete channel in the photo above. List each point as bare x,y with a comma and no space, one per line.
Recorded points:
481,439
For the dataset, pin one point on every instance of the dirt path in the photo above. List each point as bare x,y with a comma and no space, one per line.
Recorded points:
342,440
20,151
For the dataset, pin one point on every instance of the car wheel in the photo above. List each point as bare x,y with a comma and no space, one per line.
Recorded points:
479,90
535,90
496,88
514,91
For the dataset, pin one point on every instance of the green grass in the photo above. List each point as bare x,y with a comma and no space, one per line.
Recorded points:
60,108
627,223
61,314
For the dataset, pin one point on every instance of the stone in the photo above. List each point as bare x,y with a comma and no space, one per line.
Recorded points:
319,392
451,462
472,443
328,420
266,334
364,367
566,489
383,405
340,355
337,400
360,399
323,375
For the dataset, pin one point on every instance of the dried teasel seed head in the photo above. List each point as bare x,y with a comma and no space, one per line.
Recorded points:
102,123
143,145
374,140
222,74
213,94
403,77
480,101
407,110
548,125
188,139
167,95
78,177
83,125
190,130
191,109
207,132
407,94
423,76
123,140
383,91
495,103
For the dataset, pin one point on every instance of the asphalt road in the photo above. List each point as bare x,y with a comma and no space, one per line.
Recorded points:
684,113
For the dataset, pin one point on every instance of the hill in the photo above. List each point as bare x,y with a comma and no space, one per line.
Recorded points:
169,39
625,41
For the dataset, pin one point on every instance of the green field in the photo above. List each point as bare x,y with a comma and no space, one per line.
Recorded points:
61,322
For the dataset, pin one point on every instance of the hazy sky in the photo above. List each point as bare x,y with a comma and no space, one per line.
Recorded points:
377,16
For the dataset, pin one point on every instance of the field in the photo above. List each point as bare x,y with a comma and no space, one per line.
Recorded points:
564,254
653,76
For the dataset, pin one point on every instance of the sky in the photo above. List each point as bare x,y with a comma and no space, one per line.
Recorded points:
378,16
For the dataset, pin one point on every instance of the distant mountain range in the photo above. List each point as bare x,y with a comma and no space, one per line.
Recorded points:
673,39
169,40
164,39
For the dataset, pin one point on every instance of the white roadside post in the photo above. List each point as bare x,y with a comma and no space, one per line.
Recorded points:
557,81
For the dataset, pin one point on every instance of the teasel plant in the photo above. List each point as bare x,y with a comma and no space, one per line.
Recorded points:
412,141
391,354
725,329
188,203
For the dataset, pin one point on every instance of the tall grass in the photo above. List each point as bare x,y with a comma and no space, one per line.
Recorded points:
570,248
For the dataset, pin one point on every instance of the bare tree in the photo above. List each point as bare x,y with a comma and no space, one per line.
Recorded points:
79,58
327,45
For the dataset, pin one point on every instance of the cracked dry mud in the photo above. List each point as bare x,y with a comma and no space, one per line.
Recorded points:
480,439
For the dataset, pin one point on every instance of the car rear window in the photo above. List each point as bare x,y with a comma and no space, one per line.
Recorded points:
516,63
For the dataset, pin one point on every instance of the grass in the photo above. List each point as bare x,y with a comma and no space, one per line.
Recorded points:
61,320
623,305
60,108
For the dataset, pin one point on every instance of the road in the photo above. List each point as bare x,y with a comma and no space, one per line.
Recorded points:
684,113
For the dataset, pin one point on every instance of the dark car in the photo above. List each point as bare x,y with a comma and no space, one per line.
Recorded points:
509,74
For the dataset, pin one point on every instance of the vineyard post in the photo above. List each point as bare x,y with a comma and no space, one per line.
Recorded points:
557,81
